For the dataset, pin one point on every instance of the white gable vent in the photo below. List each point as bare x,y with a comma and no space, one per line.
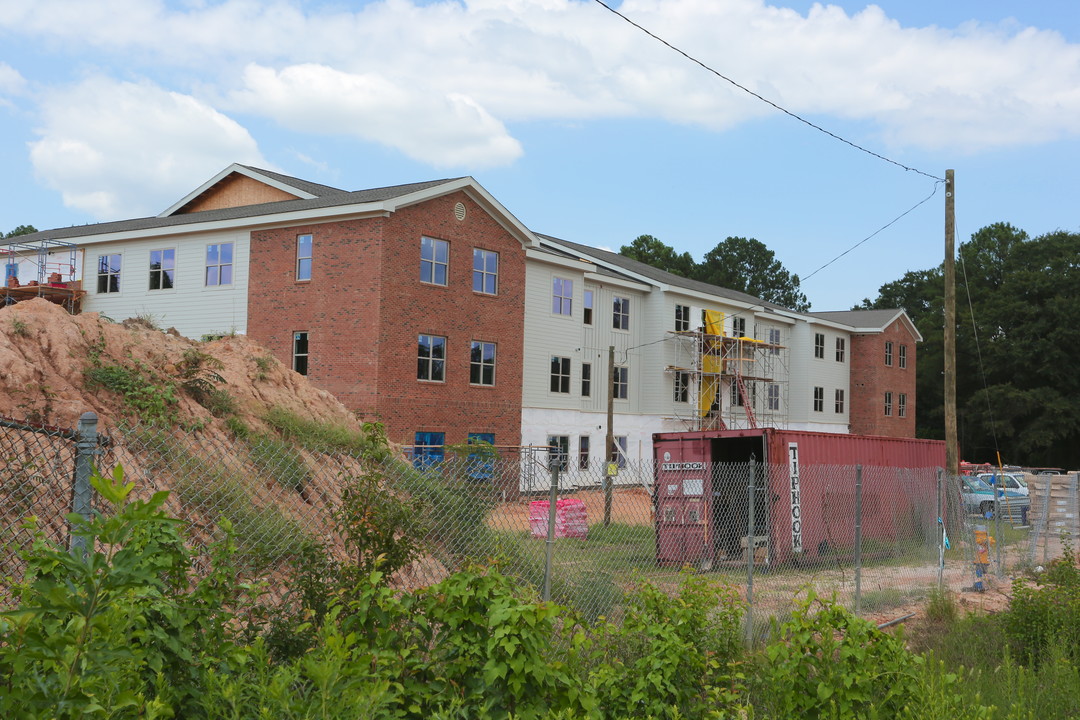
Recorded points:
459,211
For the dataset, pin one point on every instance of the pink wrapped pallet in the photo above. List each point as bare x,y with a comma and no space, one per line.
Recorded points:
571,518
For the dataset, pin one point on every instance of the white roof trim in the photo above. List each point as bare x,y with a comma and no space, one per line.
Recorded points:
239,169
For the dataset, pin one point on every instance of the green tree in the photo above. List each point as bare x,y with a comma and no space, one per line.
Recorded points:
21,230
649,250
745,264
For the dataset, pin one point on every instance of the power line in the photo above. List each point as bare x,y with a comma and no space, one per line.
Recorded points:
766,100
871,235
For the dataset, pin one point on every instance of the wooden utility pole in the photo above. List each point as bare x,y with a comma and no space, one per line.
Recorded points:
952,453
612,453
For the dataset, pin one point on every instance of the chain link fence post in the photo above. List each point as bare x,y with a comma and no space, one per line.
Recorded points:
549,549
751,547
85,449
858,537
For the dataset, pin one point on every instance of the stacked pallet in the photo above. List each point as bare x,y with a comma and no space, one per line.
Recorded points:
571,519
1062,515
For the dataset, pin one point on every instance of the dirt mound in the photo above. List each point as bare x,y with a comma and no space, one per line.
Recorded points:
45,355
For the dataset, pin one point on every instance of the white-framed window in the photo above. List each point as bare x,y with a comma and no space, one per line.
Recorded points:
819,399
888,404
108,274
560,374
587,305
888,353
738,327
901,359
819,345
901,404
162,269
620,318
562,296
682,318
305,249
482,363
485,274
219,264
558,451
300,352
620,450
586,379
736,399
682,387
621,379
583,452
773,396
841,347
434,261
431,358
774,341
838,402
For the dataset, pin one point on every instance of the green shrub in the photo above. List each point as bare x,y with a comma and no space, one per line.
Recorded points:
326,437
151,400
279,460
1047,613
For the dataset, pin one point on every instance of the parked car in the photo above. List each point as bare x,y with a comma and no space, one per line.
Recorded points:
978,498
1009,481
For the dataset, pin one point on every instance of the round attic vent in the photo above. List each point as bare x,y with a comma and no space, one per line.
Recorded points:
459,211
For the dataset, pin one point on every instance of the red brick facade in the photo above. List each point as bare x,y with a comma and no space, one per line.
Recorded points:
872,379
365,307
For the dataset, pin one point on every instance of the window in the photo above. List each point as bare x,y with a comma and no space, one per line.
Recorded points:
162,269
588,305
774,341
839,402
888,404
482,363
108,278
819,399
560,374
219,262
434,261
682,387
300,352
620,319
819,345
583,452
774,396
840,348
586,379
481,464
901,361
428,448
622,382
736,396
431,358
738,327
562,296
888,353
303,257
485,271
901,404
620,451
558,451
682,318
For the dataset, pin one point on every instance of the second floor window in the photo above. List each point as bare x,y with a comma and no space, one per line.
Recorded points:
819,345
901,359
738,327
485,274
840,348
901,404
682,318
304,250
839,402
622,382
482,363
431,358
108,278
219,264
682,387
587,307
162,269
560,374
888,404
774,341
620,319
434,261
888,353
819,399
562,296
774,396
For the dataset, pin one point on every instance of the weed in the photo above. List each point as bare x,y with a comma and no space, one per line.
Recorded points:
237,427
280,461
19,327
151,402
263,364
941,607
325,437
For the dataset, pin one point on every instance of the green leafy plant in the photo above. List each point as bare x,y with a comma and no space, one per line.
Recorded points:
279,460
1047,613
152,401
19,327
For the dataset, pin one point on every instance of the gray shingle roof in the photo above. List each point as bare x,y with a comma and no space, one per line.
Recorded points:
338,198
298,183
860,318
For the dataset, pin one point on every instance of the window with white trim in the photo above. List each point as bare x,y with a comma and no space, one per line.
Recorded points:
888,353
838,402
434,261
738,327
558,451
431,358
583,452
560,374
300,352
901,359
162,269
482,363
587,305
682,387
485,277
620,318
773,398
774,341
108,274
841,347
888,404
562,296
219,264
682,318
621,381
819,399
304,256
819,345
586,379
901,404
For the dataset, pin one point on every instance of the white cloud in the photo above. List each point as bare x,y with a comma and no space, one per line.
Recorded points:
121,149
448,129
11,83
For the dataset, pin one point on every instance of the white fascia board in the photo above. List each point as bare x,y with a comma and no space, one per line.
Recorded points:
775,316
900,315
811,320
598,279
481,197
320,215
235,168
582,266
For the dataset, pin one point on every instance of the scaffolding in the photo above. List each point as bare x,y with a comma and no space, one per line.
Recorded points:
53,270
729,380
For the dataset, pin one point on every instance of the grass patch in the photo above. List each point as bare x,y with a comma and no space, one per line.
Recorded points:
318,437
279,460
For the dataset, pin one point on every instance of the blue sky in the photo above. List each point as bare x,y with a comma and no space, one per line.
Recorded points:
582,126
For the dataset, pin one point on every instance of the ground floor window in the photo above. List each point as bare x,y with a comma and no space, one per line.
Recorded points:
428,448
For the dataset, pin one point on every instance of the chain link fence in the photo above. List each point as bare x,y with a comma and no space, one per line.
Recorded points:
873,537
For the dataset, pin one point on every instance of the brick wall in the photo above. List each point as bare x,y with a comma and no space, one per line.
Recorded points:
871,378
365,306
